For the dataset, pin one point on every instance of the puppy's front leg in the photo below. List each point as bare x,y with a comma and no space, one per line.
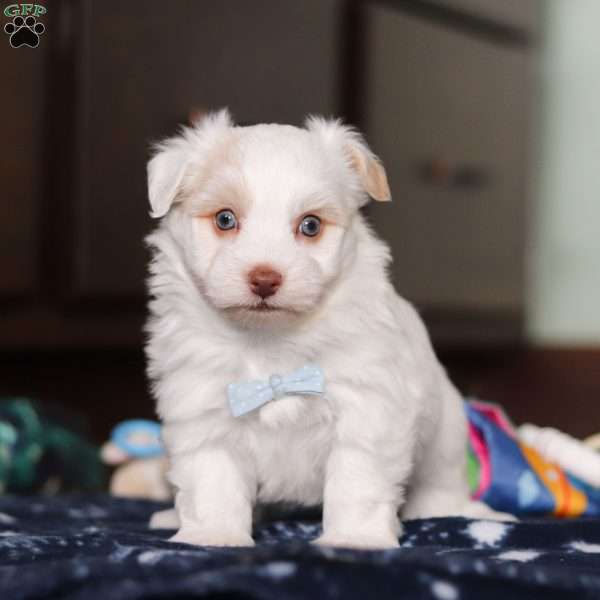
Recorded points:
361,500
214,498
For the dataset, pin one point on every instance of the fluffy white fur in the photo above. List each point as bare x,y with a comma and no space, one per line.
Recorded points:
388,435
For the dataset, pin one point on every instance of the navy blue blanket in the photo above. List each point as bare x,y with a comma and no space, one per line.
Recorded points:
100,548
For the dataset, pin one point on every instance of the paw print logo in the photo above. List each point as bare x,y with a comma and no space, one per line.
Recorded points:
24,32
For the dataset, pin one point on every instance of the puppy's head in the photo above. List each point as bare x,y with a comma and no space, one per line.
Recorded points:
263,214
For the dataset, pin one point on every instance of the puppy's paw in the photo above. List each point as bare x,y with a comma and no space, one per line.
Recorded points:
358,541
212,537
164,519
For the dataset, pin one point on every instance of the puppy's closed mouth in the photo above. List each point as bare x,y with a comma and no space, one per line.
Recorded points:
264,307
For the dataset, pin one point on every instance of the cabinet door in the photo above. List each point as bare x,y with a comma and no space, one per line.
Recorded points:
448,115
144,67
21,166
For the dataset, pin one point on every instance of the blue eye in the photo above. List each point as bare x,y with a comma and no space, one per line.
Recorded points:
225,220
310,226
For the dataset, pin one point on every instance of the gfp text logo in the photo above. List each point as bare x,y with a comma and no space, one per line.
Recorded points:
24,29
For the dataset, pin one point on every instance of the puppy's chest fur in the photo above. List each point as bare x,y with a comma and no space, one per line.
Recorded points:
286,442
290,459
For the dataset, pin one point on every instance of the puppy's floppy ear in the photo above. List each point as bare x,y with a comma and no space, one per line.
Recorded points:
361,160
167,168
370,170
165,172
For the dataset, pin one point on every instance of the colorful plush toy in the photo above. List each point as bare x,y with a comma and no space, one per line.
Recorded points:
530,470
136,450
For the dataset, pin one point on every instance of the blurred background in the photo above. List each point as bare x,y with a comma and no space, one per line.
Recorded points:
485,113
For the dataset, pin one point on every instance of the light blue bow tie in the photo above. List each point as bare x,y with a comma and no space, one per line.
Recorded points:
250,395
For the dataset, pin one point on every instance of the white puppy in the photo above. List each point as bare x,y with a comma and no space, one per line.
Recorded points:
262,264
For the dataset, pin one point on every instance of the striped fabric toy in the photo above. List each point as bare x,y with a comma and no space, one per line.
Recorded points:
531,471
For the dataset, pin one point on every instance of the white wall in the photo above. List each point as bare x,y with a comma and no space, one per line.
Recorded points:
564,269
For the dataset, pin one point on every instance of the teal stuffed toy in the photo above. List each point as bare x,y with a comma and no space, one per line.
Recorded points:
40,454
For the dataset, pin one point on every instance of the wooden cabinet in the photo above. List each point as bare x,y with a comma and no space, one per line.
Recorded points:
448,114
442,100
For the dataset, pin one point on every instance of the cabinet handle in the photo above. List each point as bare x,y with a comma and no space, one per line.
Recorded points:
441,172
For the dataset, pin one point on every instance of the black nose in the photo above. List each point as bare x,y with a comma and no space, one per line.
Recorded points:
264,281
